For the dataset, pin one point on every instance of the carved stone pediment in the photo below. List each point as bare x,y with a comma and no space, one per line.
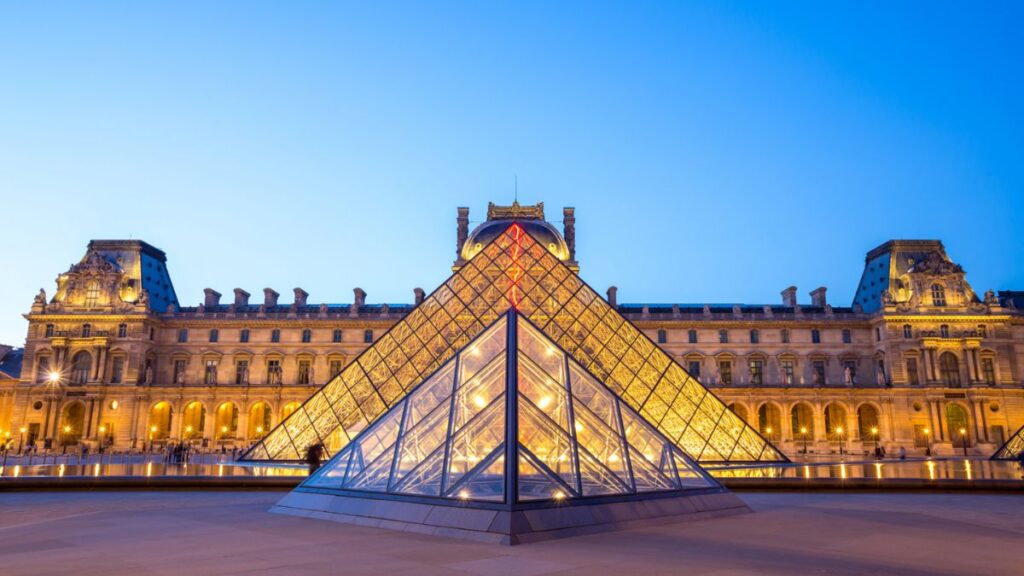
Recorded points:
936,265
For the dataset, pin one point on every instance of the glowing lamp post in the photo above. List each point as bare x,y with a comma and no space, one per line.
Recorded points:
928,442
152,434
64,440
874,436
803,436
21,441
839,432
963,440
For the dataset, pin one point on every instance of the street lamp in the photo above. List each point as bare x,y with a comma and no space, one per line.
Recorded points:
963,438
64,441
21,441
223,437
874,435
928,442
803,435
152,434
839,432
768,432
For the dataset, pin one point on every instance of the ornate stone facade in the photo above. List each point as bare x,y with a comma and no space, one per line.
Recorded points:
113,358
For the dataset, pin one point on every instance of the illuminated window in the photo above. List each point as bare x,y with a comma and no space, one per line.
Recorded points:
243,336
122,330
307,335
336,336
273,371
368,336
938,295
662,337
788,371
210,375
92,294
757,372
214,335
755,337
723,336
847,337
725,371
693,336
908,332
275,335
785,336
816,336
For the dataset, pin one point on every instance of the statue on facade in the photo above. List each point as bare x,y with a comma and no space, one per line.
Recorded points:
990,298
848,376
41,297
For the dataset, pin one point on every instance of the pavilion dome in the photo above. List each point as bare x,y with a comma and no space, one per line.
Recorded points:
543,232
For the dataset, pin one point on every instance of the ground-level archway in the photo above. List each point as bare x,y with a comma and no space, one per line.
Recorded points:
72,423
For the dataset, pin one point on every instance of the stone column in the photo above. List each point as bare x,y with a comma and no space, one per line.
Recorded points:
969,364
242,434
928,373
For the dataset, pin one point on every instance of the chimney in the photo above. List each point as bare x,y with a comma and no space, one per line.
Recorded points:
357,303
241,297
569,230
613,296
789,297
419,295
212,297
300,296
818,297
270,297
463,231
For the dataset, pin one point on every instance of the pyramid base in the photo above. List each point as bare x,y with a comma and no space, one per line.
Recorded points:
501,526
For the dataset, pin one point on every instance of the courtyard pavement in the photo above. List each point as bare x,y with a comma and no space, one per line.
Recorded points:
192,533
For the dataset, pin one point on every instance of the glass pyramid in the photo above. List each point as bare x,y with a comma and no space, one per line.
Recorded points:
1013,447
514,271
511,418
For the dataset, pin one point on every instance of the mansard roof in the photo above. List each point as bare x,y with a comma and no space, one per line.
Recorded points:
10,362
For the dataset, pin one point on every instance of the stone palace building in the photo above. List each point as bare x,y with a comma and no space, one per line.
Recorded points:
919,360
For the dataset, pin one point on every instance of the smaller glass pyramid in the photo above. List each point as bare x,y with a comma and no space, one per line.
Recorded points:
1013,447
510,419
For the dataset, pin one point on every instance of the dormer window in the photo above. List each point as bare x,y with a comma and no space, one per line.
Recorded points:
938,295
92,294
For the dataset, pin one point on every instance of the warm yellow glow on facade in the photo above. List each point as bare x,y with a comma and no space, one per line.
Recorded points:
53,377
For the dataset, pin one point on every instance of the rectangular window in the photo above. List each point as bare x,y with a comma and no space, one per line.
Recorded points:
275,335
757,372
723,336
755,336
307,336
693,336
273,371
117,370
847,337
152,333
214,335
183,335
210,375
44,369
818,372
988,371
815,336
725,371
788,371
335,367
86,330
368,336
908,332
122,330
243,336
336,336
913,376
242,372
662,337
785,336
179,371
304,372
982,331
49,331
694,368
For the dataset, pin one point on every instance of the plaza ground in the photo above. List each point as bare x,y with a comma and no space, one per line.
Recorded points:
185,532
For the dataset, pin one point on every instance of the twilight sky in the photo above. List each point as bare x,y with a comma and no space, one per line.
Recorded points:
715,152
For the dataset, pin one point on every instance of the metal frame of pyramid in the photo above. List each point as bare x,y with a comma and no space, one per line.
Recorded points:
515,271
510,441
1012,448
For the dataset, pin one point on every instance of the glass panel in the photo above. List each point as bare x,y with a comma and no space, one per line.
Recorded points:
598,480
550,444
476,440
595,397
430,395
332,474
482,351
541,351
550,397
474,396
487,482
425,480
642,438
687,473
375,476
600,441
536,484
646,475
421,441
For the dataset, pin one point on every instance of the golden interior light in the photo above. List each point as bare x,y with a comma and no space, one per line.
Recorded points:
114,404
544,402
22,429
579,428
67,428
53,377
479,401
803,430
558,495
464,494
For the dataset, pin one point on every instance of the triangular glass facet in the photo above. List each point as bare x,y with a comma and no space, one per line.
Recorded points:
535,483
514,271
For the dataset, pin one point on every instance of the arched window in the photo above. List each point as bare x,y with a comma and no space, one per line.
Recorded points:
938,295
958,425
739,410
769,421
723,336
193,421
226,421
755,337
867,422
949,368
835,422
72,423
802,421
81,367
662,337
259,420
693,336
944,331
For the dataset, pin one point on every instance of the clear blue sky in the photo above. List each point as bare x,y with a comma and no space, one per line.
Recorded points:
715,152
